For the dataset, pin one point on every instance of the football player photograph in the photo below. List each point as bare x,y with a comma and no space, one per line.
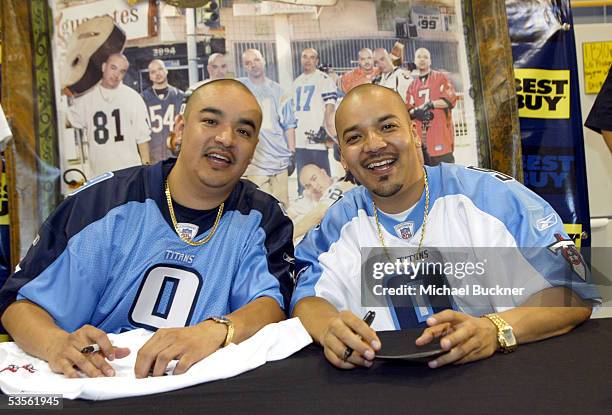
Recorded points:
273,158
115,120
363,74
450,206
164,103
314,97
184,248
320,192
431,98
391,76
217,66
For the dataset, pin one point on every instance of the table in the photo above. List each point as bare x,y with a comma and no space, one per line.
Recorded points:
571,374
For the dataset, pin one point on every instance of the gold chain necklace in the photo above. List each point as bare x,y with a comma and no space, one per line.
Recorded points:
381,237
183,238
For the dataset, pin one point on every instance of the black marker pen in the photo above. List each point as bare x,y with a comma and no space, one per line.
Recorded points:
368,319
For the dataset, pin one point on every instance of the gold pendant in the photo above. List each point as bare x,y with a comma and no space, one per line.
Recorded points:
381,237
175,224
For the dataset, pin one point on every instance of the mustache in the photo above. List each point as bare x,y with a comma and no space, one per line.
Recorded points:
219,149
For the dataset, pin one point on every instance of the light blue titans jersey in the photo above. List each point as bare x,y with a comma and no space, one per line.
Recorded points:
110,257
522,236
272,153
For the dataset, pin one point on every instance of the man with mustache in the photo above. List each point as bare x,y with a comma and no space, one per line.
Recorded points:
184,248
406,205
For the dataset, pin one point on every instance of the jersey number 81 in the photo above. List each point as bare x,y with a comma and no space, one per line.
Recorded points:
100,133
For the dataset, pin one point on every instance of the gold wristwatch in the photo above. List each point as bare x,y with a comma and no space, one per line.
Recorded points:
505,335
230,328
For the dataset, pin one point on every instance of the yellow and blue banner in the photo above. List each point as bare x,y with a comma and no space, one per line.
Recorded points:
546,77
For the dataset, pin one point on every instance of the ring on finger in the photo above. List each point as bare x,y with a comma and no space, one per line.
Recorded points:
347,353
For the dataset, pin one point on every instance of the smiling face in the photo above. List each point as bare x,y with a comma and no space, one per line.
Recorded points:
218,133
376,143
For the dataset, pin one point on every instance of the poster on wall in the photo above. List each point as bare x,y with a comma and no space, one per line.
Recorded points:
596,57
122,68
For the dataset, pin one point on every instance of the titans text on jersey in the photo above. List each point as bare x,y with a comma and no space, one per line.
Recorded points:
110,257
465,211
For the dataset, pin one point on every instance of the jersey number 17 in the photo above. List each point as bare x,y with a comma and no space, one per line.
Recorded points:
308,91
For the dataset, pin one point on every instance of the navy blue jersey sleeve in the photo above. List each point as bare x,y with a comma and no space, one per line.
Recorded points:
63,271
267,261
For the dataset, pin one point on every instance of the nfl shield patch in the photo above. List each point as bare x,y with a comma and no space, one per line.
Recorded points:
187,230
404,230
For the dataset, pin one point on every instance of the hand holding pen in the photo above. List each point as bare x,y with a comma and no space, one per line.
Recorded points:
349,341
87,351
368,319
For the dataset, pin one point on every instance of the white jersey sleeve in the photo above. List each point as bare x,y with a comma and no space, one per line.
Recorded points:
311,94
335,192
77,113
328,90
404,79
399,80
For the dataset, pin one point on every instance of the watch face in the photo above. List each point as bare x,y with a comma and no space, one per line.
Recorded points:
508,336
221,319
